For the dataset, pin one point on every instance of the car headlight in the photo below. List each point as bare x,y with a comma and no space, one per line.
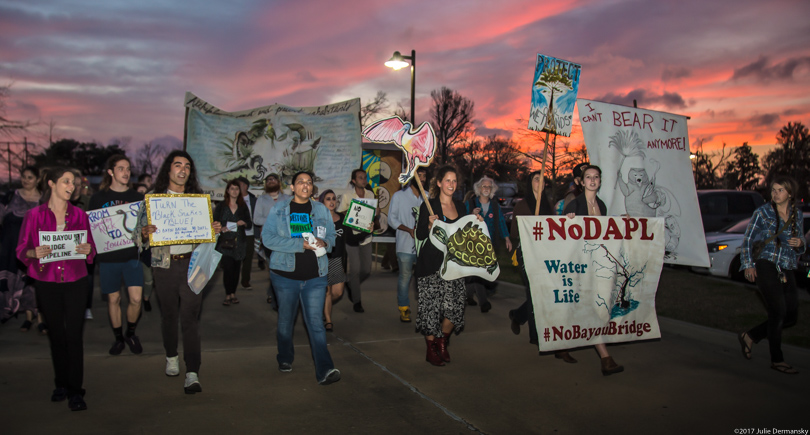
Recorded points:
717,247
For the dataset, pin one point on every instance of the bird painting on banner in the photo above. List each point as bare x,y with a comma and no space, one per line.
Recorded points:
418,146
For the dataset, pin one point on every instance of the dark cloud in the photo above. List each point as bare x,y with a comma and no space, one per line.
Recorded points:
306,76
484,131
671,73
780,71
644,98
764,120
791,112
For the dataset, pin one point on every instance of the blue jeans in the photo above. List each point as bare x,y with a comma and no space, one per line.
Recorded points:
406,262
311,294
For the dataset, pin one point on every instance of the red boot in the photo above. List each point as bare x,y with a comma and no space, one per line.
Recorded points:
432,353
441,344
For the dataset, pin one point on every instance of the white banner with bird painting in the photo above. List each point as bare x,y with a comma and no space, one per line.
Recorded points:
467,249
592,279
275,139
646,172
554,93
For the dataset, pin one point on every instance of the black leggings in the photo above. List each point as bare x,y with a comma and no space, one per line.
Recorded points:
230,273
782,304
63,305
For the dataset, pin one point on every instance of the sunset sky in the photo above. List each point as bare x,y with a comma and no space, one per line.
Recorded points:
110,69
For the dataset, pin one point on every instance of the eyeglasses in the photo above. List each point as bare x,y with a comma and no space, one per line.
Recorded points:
486,187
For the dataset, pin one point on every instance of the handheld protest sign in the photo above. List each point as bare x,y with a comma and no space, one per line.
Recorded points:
359,216
180,219
63,245
112,226
418,147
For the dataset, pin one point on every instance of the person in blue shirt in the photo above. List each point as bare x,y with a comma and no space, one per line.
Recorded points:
773,241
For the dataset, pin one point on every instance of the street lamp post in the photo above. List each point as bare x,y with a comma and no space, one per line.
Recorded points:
397,62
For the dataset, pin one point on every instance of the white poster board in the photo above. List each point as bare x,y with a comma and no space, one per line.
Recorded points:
112,227
180,219
467,249
646,172
63,245
592,279
359,215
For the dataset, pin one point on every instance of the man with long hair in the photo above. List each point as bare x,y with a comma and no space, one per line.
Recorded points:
177,175
122,264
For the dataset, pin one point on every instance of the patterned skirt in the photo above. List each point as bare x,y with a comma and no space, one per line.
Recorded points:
336,274
439,299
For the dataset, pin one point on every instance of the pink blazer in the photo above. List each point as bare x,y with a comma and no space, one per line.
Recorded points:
41,218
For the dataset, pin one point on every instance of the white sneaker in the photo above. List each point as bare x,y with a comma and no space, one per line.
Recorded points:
192,384
331,377
88,314
172,366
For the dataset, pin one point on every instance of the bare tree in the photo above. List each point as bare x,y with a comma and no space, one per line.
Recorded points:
149,157
708,167
403,113
9,127
452,116
377,106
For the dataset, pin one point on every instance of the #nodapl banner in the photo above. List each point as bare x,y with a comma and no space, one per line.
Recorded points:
593,279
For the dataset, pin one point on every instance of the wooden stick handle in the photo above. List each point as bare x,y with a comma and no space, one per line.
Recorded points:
542,178
424,197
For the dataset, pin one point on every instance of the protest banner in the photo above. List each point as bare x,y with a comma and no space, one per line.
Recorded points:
63,245
278,139
112,227
359,215
592,279
554,93
180,219
646,172
467,249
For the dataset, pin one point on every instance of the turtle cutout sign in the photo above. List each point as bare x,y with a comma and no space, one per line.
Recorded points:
467,249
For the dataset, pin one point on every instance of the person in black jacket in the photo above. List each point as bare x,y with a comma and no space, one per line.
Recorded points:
588,204
234,216
440,303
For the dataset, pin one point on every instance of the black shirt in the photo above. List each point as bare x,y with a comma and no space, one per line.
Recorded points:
339,250
306,263
111,198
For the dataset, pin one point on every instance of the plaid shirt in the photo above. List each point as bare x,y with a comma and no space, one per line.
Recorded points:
762,226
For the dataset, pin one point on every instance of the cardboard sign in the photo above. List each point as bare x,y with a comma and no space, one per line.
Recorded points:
180,219
112,227
359,215
63,245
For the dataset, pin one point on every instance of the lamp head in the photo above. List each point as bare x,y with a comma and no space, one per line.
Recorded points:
396,62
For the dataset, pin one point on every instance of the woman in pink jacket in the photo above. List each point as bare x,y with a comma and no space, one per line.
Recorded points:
61,284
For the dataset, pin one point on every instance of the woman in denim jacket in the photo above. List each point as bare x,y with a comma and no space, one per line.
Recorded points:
773,268
299,273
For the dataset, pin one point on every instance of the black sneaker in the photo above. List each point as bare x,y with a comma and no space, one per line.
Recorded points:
284,367
59,395
134,344
147,306
358,308
76,403
331,377
117,348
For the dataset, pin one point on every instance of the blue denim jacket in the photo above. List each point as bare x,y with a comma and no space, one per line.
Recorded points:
276,236
763,225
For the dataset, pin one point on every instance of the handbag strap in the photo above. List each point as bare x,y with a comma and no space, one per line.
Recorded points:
787,225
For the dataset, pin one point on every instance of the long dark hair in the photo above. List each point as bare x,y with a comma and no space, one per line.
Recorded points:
162,181
434,183
240,201
792,188
531,201
106,182
53,175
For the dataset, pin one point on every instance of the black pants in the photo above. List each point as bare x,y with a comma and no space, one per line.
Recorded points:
247,263
230,273
62,305
525,312
177,301
782,304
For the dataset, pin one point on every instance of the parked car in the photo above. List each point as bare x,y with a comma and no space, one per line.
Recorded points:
722,208
724,251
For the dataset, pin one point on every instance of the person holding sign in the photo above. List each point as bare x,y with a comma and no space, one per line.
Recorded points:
299,231
772,244
440,303
61,285
336,278
170,263
358,247
588,204
233,216
122,264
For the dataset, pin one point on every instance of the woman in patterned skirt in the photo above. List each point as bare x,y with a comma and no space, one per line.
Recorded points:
336,278
440,302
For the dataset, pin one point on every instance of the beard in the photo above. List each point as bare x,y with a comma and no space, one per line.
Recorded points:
272,189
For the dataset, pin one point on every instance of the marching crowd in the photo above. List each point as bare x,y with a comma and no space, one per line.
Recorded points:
310,273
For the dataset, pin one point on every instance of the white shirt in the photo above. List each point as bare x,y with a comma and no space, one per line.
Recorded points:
250,211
